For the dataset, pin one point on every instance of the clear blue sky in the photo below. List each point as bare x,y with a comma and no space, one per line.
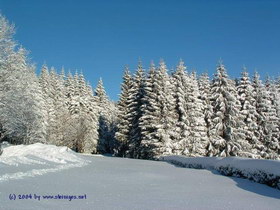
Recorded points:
101,37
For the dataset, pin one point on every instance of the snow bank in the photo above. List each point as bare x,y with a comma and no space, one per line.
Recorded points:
261,171
44,158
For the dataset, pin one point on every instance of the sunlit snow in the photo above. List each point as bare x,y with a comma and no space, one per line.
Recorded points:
119,183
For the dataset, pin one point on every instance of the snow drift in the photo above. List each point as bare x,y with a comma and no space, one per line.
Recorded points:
261,171
44,158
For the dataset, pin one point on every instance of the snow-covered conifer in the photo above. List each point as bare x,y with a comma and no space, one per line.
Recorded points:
20,122
266,121
159,115
181,82
135,101
84,115
205,95
226,133
199,140
106,115
88,117
123,125
270,97
249,115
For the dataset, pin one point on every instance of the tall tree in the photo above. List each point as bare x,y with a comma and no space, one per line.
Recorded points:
135,101
84,115
20,122
107,117
205,96
181,90
159,115
266,123
273,99
226,131
249,115
124,125
198,131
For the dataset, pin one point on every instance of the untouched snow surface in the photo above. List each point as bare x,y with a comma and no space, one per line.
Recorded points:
18,162
118,183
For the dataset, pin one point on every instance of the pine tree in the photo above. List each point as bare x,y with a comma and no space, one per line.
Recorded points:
88,118
181,91
277,84
205,96
123,125
226,132
107,112
44,83
199,140
157,122
150,117
103,115
135,101
274,145
72,127
266,120
249,115
84,115
61,112
276,90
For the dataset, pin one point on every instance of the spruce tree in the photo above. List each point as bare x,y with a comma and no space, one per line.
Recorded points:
106,115
88,117
249,116
44,83
181,91
205,96
226,133
158,120
199,140
273,97
266,123
150,116
123,125
84,115
135,101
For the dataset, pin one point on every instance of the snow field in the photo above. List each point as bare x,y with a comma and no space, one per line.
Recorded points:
123,183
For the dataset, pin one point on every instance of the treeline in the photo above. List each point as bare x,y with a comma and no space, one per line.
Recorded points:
182,114
158,113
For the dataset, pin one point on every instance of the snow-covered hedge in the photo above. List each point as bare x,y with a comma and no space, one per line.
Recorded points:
261,171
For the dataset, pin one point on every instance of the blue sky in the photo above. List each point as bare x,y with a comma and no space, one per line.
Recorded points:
101,37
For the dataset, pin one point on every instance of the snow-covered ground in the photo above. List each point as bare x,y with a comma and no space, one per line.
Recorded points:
118,183
21,161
